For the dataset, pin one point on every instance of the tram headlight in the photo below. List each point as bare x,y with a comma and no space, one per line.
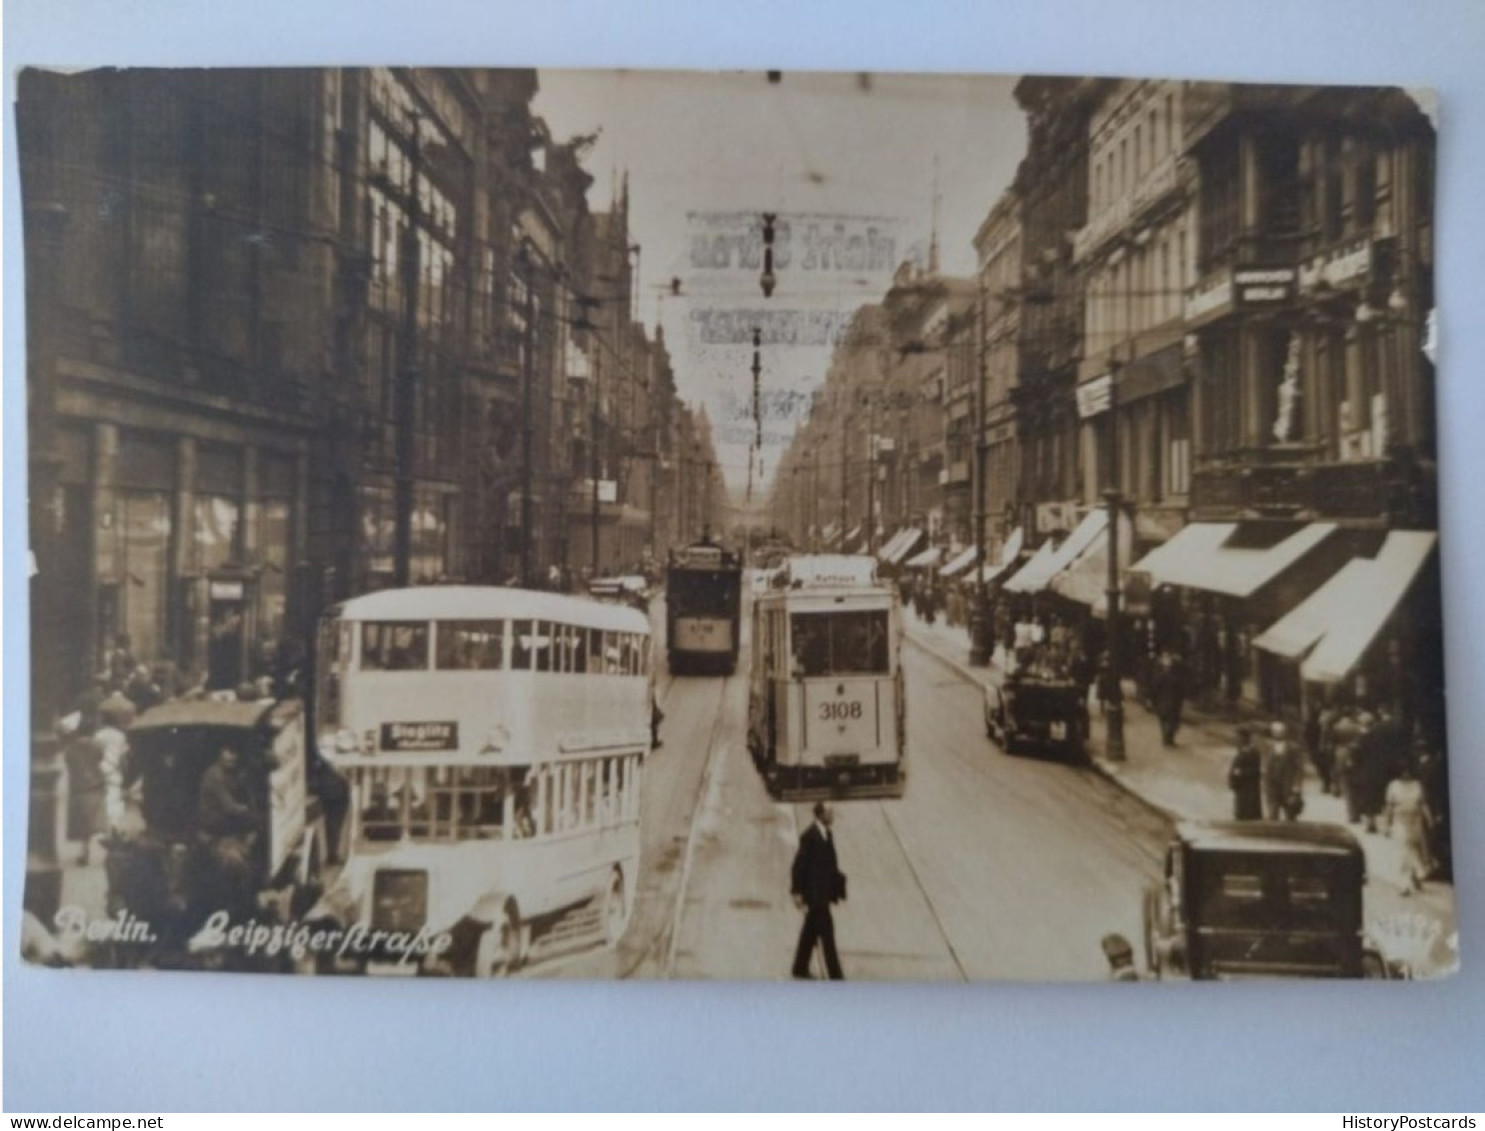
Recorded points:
399,899
345,741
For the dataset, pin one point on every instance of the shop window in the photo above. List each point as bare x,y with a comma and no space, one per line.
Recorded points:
274,533
144,533
216,530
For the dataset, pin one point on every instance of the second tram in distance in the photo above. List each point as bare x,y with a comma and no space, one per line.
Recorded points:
703,608
826,713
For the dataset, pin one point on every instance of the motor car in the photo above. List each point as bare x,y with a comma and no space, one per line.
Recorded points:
1037,714
166,871
1261,899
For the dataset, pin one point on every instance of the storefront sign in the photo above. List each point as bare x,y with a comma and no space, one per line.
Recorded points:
1209,300
225,590
1349,263
1263,286
1095,396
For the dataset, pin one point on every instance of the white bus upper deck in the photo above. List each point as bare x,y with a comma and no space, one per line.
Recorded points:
826,714
493,741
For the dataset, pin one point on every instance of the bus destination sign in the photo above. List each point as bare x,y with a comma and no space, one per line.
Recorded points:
420,736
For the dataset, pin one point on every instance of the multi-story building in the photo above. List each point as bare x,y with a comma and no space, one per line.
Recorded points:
1312,406
1000,269
298,334
1314,261
1135,255
1052,185
408,160
181,248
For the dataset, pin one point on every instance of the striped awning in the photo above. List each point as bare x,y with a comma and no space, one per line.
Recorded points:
903,543
1200,556
959,562
1038,573
1338,622
927,559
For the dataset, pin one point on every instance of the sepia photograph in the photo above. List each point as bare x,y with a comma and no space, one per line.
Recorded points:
743,526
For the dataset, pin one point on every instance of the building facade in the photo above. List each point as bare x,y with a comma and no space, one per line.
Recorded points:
1135,256
297,334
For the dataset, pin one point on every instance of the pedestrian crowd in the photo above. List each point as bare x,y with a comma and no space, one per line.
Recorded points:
1388,781
102,788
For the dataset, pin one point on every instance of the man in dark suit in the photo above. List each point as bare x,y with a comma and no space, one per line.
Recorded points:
817,883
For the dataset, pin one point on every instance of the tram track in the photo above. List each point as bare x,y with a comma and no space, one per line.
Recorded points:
660,949
938,921
715,751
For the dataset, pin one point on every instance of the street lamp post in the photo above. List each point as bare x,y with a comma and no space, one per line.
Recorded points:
527,378
1114,711
408,377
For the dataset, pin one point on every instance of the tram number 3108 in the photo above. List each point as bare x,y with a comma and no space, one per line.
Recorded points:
840,710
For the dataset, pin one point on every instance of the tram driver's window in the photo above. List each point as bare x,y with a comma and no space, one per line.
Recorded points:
810,639
470,645
859,643
394,646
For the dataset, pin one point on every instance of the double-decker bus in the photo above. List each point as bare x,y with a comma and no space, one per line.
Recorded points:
826,712
494,742
703,609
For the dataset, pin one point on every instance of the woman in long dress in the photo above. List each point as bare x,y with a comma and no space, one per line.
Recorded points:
1408,815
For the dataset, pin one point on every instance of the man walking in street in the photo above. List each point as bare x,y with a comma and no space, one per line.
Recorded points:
817,883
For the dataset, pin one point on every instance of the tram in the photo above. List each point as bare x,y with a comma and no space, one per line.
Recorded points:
493,740
703,609
826,712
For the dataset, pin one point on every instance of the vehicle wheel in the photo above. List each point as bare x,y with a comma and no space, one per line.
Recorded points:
615,911
1152,952
499,952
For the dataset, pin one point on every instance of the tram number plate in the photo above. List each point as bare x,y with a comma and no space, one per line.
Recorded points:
833,760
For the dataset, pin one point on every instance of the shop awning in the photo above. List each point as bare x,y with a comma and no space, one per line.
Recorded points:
1036,574
1085,579
1033,575
1339,621
885,550
1002,566
902,544
1200,557
959,563
927,559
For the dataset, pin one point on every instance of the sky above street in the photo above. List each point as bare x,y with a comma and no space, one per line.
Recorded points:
852,164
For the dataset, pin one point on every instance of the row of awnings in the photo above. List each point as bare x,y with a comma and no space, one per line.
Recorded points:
963,562
1328,633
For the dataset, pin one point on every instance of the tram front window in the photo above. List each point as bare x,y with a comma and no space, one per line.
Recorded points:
846,643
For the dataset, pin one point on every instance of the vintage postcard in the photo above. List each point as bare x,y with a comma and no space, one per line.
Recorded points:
765,525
